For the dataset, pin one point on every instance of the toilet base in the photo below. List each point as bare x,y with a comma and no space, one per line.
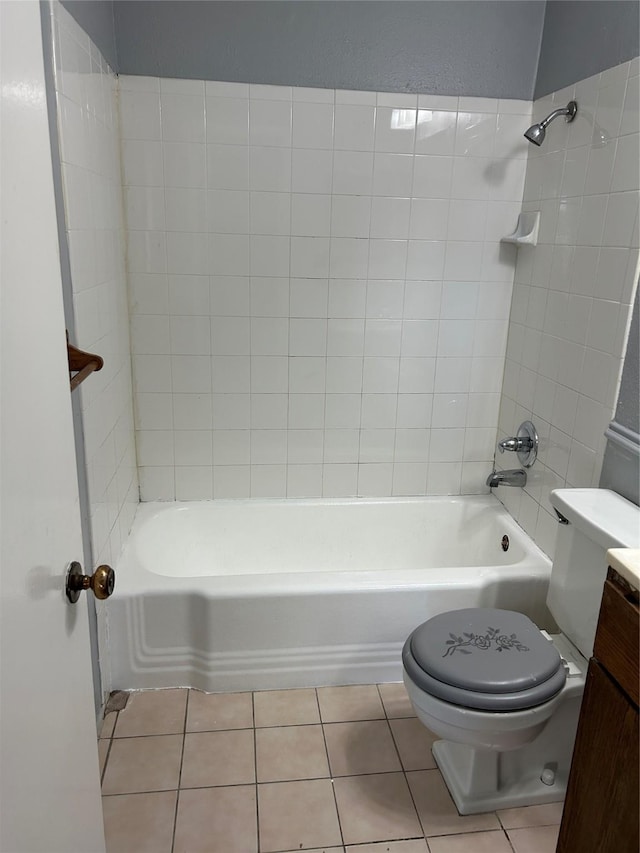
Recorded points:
483,780
492,761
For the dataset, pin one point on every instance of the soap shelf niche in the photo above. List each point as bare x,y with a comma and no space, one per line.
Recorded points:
526,233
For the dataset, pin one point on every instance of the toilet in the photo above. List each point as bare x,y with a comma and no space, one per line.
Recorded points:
503,694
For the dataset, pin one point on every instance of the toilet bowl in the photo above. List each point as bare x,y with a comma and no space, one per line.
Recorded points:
504,695
494,759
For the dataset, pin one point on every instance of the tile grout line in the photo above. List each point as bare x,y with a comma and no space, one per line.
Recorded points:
274,782
106,761
199,732
331,777
326,338
255,763
404,772
506,835
106,758
184,729
290,148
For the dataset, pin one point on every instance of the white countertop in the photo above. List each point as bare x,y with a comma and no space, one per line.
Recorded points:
626,561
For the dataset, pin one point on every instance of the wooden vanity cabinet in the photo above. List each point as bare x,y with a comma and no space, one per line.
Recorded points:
601,807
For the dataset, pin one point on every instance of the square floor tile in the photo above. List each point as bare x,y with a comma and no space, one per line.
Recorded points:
217,820
286,707
291,752
478,842
396,700
218,758
106,729
152,712
437,811
140,764
297,815
209,712
544,815
345,704
416,845
535,839
414,742
362,747
139,822
375,808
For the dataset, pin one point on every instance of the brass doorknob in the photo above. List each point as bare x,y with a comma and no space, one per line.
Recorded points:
101,582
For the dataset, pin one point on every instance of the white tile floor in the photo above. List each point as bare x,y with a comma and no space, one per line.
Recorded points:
334,769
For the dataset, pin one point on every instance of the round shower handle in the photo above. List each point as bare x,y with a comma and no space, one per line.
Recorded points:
101,582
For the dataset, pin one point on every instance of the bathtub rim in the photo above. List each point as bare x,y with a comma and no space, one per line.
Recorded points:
133,579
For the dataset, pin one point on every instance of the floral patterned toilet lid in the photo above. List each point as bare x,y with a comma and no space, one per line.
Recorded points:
484,658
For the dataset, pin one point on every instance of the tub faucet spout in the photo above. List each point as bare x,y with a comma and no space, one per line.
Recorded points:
513,477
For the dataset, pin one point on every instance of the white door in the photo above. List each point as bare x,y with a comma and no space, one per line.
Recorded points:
49,780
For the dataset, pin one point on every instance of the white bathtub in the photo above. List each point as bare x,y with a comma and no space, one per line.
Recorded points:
254,595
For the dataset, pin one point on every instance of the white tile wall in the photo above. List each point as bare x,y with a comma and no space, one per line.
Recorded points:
573,292
319,298
88,127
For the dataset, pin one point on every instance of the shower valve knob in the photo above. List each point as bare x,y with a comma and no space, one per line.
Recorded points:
101,582
515,444
525,444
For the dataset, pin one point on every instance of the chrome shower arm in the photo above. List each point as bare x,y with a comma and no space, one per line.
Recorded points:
569,111
536,133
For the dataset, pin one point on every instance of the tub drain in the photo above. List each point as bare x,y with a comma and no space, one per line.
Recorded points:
505,543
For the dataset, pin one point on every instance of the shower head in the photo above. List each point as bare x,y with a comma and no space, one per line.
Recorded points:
537,132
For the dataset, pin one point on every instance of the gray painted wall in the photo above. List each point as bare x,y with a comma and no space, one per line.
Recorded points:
621,466
583,37
470,47
628,409
96,19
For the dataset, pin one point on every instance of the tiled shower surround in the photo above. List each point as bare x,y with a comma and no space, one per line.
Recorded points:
319,297
87,113
573,292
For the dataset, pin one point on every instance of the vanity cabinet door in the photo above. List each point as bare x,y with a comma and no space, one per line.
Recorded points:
601,809
616,647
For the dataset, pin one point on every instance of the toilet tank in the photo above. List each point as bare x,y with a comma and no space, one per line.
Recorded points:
597,519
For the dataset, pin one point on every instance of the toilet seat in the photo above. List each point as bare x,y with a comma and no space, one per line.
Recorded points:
485,659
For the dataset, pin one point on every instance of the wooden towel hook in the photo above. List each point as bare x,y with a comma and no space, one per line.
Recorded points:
81,364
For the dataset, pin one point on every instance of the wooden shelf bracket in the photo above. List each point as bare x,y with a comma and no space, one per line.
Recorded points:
81,364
